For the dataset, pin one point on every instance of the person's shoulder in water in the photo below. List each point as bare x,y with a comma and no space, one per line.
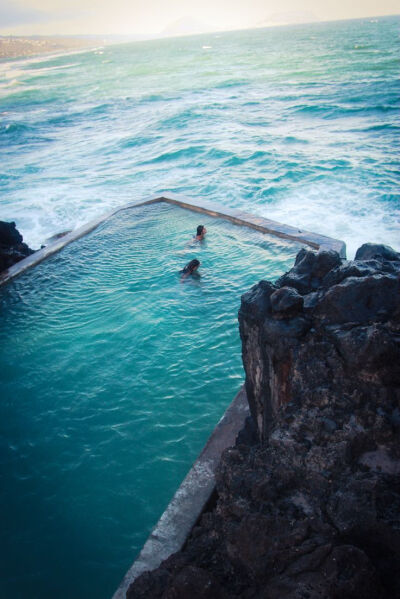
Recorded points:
190,268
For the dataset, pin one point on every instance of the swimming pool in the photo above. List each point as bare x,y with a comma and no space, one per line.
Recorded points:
113,374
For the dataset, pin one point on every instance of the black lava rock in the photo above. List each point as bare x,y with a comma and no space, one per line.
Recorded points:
12,248
309,270
369,251
286,302
308,505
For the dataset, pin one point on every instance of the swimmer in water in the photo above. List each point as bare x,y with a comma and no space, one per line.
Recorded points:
190,268
201,231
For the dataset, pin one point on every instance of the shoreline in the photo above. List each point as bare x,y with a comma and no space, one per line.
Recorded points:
20,47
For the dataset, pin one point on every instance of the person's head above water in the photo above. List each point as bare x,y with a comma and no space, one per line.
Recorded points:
200,232
191,267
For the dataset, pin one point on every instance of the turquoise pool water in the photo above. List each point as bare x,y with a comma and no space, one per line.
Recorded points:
113,374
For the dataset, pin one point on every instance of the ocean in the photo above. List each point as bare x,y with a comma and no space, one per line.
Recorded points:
299,124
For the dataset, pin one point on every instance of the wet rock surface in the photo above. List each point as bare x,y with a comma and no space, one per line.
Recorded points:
309,498
12,247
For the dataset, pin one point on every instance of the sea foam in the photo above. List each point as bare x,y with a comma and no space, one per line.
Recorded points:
302,128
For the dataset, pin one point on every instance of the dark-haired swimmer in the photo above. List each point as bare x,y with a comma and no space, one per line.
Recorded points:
190,268
200,232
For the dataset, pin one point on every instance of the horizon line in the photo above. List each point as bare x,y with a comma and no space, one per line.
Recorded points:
160,35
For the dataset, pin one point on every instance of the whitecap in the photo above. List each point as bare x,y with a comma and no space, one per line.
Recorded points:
334,209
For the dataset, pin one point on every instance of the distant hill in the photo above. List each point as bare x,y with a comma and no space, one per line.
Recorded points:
288,18
185,26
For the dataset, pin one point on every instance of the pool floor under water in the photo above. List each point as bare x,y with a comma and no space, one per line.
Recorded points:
113,375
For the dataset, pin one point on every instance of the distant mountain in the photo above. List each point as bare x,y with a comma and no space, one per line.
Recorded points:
288,18
185,26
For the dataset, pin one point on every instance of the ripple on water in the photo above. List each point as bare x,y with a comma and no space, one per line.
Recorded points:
107,122
116,373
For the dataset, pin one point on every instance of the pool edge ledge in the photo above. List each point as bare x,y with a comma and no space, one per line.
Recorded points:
238,217
173,528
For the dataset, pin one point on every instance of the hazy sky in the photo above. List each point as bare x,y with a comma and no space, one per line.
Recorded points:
26,17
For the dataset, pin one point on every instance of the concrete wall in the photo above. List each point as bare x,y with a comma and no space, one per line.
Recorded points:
237,217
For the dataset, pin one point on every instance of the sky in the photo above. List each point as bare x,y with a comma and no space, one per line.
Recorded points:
150,17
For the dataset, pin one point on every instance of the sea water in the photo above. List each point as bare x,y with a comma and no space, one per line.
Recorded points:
113,375
299,124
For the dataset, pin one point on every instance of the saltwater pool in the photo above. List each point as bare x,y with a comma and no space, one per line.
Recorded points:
113,375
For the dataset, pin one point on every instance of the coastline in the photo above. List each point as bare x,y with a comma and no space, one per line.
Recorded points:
19,47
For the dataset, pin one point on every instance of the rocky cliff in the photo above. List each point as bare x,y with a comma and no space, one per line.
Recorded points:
309,498
12,248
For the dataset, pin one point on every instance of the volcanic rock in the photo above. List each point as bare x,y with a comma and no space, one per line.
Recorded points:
12,248
309,501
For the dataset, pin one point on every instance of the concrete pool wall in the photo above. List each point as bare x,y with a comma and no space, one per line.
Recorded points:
193,495
191,498
237,217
